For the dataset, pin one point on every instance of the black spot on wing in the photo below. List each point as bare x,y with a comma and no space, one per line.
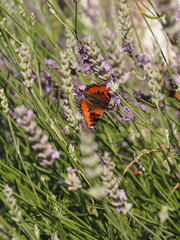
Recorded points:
109,95
96,120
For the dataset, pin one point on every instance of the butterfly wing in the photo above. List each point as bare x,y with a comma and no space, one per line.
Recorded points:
95,102
98,91
90,117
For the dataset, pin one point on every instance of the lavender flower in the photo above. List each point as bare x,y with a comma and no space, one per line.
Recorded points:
54,236
154,84
51,63
4,101
91,162
114,102
26,72
126,109
117,196
66,72
72,118
71,48
78,91
90,159
39,142
89,12
128,117
141,60
113,51
72,180
14,211
125,25
91,55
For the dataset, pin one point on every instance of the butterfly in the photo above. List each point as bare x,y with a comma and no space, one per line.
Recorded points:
95,101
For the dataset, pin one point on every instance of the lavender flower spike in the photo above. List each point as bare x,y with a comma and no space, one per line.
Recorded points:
72,180
92,56
39,142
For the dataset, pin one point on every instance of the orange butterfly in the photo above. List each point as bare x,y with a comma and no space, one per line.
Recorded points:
95,102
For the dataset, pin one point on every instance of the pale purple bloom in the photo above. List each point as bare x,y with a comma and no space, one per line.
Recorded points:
177,14
126,109
143,107
55,154
85,57
122,195
107,67
175,150
13,94
178,175
48,89
119,209
137,94
78,90
71,170
60,181
92,56
176,79
127,48
72,180
115,101
51,63
126,119
141,60
39,141
46,162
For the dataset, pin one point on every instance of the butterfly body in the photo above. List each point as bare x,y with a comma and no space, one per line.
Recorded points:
95,101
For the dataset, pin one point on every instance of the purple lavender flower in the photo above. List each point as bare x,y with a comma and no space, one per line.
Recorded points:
137,94
143,107
61,182
78,91
72,180
176,79
114,102
126,119
122,195
55,154
177,14
175,150
39,142
127,48
178,175
91,55
126,109
51,63
141,60
84,54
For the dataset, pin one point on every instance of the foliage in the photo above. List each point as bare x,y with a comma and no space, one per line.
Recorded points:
60,180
